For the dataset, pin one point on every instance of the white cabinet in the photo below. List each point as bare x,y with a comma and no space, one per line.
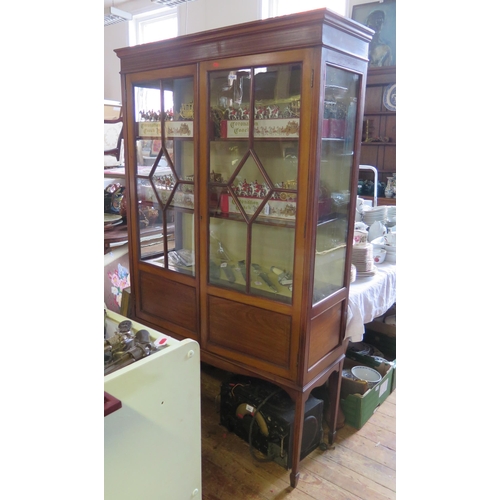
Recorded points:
152,444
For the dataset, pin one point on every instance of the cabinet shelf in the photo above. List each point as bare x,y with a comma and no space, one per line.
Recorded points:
323,221
378,144
332,86
268,221
333,139
380,113
256,139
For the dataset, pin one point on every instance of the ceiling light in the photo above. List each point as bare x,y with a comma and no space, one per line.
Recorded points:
171,3
112,15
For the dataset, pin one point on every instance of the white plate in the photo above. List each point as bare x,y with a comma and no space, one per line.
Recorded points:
389,98
111,218
367,374
361,274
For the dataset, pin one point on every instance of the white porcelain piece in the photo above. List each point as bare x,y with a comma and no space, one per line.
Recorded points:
376,230
360,226
390,238
378,242
391,257
360,237
367,374
379,255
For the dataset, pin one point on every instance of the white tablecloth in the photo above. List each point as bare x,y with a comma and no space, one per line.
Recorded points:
369,298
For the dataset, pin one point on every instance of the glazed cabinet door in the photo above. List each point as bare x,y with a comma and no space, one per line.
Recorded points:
164,197
253,179
252,174
338,127
341,90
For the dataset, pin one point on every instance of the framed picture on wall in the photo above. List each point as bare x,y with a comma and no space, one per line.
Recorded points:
381,18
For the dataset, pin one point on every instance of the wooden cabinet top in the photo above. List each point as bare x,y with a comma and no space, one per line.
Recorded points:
320,27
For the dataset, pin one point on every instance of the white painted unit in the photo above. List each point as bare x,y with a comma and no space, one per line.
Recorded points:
152,444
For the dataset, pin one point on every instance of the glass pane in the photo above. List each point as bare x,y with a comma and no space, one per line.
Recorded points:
339,119
150,220
272,262
277,97
225,159
280,163
227,251
253,178
165,168
276,133
329,261
230,98
181,255
250,188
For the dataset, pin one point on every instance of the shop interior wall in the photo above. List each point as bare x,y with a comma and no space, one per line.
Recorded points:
193,17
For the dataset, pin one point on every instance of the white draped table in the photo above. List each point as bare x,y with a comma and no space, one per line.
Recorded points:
370,297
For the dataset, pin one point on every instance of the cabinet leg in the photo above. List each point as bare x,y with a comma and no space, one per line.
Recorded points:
297,438
334,382
294,479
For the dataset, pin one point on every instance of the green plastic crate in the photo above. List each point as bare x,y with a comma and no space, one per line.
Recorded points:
357,406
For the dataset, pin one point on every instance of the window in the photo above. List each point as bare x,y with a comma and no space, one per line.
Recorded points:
283,7
155,25
152,26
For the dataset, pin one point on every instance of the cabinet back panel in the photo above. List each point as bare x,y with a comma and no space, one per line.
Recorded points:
325,333
168,300
245,329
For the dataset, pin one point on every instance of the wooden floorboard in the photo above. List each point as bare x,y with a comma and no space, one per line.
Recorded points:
361,464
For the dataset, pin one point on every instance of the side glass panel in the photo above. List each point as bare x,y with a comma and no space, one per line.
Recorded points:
253,178
337,152
165,172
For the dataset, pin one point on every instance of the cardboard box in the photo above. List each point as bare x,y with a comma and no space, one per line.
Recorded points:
172,129
358,402
274,127
386,343
383,336
379,326
369,361
273,208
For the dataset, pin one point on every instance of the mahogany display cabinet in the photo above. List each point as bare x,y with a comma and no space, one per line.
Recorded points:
242,151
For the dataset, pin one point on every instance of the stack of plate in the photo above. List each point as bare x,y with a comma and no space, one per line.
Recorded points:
353,273
391,216
362,259
371,215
